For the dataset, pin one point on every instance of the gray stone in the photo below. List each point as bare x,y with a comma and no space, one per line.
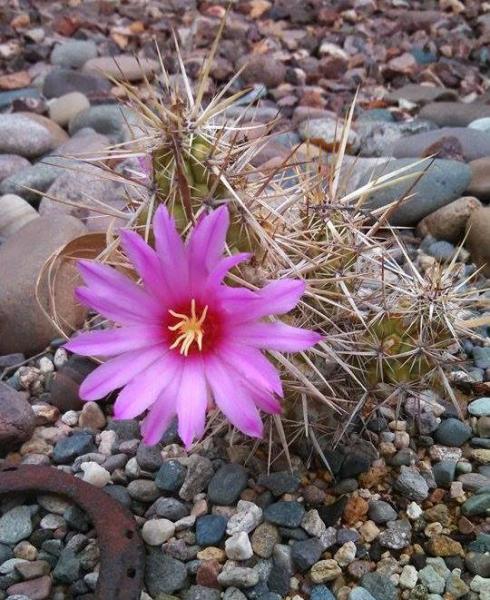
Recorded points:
481,357
480,407
327,133
306,553
478,564
421,94
379,586
452,432
170,476
199,473
210,530
378,139
73,54
227,484
163,574
474,481
475,144
441,250
59,82
441,182
240,577
478,504
67,568
411,484
6,98
280,483
381,512
169,508
149,458
398,535
285,513
432,580
360,593
67,449
454,114
444,473
143,490
200,592
109,119
25,136
11,164
15,525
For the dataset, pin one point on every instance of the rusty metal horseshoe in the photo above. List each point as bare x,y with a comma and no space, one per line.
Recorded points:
122,554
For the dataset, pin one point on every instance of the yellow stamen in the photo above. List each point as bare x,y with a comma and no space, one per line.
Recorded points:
190,329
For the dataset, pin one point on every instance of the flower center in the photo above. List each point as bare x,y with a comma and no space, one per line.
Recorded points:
189,328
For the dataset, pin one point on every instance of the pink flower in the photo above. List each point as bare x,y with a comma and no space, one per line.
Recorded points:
186,339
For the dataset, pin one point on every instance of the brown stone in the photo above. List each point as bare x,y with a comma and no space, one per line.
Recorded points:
33,569
17,419
262,68
446,147
24,327
35,589
355,510
465,526
207,573
358,568
124,67
438,514
480,178
478,240
92,416
442,545
449,222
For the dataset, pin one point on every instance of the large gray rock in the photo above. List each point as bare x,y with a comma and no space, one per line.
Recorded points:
59,82
454,114
109,119
28,136
73,54
87,194
474,143
30,183
378,138
439,182
10,164
23,325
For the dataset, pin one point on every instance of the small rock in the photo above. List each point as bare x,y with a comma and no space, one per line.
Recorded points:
453,114
27,136
285,513
149,458
327,134
73,54
480,179
479,407
238,547
92,416
35,589
60,82
408,577
262,68
411,484
94,474
432,580
240,577
476,505
381,512
15,525
227,484
325,570
124,67
157,531
444,473
306,553
163,574
449,222
247,517
379,586
452,432
264,538
199,473
143,490
170,476
398,535
345,554
280,483
442,545
17,419
67,449
210,530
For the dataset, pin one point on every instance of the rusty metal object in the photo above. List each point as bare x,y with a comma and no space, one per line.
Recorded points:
122,555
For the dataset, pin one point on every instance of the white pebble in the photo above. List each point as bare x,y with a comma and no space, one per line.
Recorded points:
70,418
409,577
94,474
414,511
60,358
107,441
51,521
247,518
346,554
45,365
185,523
238,547
157,531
